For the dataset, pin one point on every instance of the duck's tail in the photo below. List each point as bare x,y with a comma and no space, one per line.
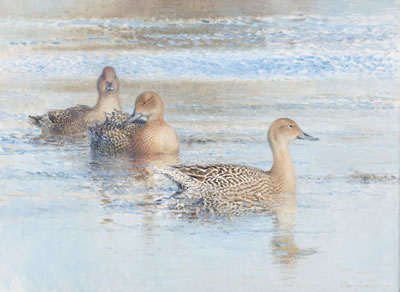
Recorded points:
36,120
184,182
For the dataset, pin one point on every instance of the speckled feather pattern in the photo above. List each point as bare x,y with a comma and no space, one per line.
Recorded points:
229,179
112,136
230,188
77,119
69,121
224,189
123,133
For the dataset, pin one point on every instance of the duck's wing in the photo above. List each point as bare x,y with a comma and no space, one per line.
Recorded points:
61,122
112,135
113,121
215,177
67,116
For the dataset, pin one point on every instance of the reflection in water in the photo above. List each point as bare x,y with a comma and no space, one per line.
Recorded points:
224,80
155,159
281,208
125,176
125,182
284,221
136,165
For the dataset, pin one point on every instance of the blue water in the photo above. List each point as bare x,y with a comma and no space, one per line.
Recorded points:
73,222
266,48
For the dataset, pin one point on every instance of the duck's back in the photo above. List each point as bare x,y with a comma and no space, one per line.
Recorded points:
224,189
229,179
63,122
113,136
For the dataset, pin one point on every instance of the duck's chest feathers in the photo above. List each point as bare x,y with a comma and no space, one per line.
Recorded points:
155,137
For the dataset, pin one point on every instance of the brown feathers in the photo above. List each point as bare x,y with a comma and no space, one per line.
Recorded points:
62,122
77,119
113,136
229,188
122,133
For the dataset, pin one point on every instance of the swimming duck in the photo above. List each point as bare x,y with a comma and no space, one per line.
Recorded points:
235,186
75,120
123,133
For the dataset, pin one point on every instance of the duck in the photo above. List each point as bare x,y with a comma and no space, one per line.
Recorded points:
76,120
222,186
145,131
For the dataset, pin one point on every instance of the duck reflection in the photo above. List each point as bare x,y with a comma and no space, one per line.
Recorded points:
126,178
284,247
231,189
112,165
280,208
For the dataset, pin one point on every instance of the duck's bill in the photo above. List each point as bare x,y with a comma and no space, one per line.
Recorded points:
134,117
110,86
304,136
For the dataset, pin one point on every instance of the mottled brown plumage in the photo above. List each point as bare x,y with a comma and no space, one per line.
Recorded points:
76,120
113,136
121,133
222,187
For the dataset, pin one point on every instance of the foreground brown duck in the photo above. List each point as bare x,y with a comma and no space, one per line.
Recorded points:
229,186
123,133
75,120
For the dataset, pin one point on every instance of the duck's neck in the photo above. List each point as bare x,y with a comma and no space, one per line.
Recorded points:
282,168
155,120
108,103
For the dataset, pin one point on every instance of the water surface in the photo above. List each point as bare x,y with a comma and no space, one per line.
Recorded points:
71,221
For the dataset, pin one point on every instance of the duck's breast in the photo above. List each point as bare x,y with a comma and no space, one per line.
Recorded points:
156,138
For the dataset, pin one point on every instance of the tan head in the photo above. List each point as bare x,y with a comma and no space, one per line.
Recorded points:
284,130
148,105
108,83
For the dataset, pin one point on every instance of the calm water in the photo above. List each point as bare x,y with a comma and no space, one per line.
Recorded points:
72,222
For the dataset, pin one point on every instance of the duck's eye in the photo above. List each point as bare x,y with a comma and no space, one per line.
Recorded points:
147,100
290,126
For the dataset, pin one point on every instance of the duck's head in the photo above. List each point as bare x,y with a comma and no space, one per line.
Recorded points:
284,130
149,106
108,83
